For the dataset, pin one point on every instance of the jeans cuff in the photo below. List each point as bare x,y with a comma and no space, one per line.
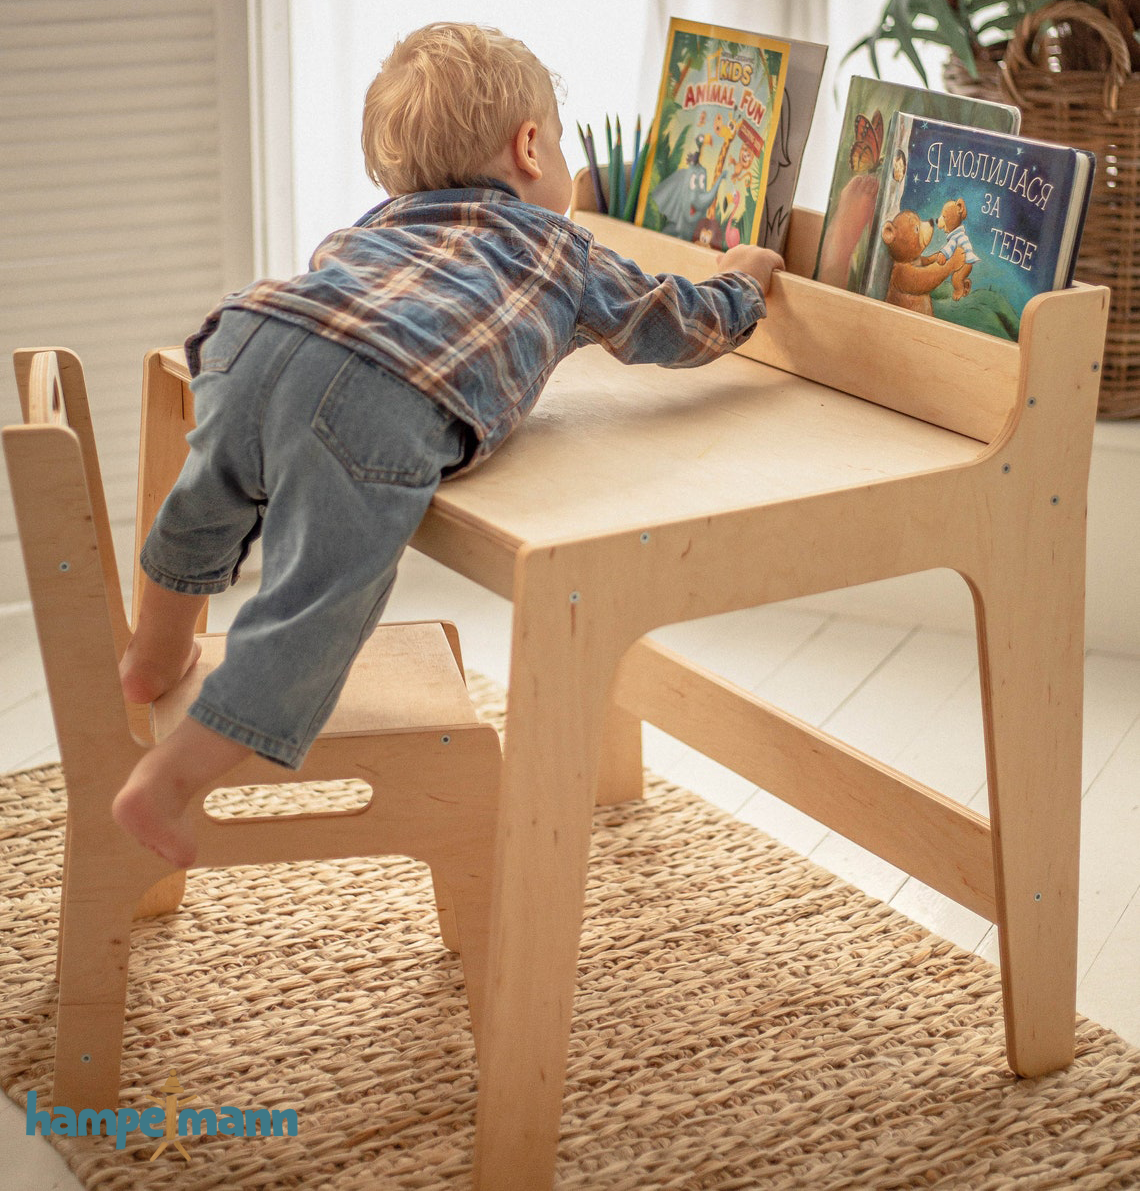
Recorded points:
177,583
272,748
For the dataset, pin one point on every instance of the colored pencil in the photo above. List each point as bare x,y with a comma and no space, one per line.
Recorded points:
585,151
617,173
609,164
635,183
595,174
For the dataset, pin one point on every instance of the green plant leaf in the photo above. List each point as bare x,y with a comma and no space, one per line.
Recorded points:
901,22
955,30
959,25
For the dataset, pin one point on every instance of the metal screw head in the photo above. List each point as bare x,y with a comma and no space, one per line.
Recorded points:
1096,365
1006,468
1054,500
445,739
1037,897
1032,401
644,538
575,597
85,1058
65,566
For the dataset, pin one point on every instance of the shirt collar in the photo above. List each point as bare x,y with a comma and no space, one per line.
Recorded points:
477,190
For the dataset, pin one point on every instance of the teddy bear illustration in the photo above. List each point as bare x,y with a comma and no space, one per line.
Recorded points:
952,222
913,276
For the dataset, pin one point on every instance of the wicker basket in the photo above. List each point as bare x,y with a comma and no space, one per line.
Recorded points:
1089,109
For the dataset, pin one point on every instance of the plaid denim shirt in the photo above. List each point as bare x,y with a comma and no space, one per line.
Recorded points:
473,296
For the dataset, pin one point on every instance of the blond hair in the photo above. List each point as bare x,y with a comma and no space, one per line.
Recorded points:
447,100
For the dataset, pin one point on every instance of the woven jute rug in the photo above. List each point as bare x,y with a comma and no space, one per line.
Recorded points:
744,1020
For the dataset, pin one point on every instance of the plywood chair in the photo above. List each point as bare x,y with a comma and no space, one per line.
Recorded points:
404,714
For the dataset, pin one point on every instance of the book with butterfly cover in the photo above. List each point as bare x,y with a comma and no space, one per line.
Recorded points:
860,165
711,145
971,224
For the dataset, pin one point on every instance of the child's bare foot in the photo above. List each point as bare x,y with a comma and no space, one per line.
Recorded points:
156,822
146,674
154,802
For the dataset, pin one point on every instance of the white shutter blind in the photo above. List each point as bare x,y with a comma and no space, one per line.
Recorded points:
124,201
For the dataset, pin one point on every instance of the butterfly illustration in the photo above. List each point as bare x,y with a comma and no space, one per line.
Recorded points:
867,148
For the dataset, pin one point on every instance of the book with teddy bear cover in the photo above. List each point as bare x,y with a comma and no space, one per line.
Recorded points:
861,168
971,224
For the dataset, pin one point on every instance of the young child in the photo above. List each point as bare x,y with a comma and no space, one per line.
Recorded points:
330,406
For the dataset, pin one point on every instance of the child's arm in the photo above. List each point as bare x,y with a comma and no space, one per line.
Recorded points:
760,263
667,319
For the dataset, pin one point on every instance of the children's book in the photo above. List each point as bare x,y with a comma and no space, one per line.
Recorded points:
713,134
860,164
801,87
971,224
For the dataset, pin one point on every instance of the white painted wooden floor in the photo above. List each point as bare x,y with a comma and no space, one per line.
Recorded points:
906,695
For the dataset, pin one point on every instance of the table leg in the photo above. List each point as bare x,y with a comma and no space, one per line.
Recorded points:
167,417
1032,664
562,662
620,774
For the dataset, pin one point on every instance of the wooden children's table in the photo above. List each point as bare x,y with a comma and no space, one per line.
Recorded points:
848,441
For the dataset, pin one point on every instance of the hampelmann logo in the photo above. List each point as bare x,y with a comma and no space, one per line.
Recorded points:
170,1120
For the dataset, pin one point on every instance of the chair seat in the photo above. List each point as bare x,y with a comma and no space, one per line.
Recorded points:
404,679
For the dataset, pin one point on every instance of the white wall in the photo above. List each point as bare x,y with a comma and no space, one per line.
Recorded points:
337,52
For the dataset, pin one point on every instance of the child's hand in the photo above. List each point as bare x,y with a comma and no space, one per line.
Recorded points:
761,263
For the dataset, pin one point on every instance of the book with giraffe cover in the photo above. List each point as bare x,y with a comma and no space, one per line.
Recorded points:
713,134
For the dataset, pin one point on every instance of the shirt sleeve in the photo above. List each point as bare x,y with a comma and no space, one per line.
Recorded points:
665,319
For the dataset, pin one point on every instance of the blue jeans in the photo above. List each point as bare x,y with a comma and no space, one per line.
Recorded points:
333,461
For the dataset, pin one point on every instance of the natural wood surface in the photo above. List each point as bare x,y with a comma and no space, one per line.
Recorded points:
654,444
405,679
909,825
1004,506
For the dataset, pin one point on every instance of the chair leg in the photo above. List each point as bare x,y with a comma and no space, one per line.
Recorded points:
64,884
620,774
445,908
473,925
96,941
463,874
1032,661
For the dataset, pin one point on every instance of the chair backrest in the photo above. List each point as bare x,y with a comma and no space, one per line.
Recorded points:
65,536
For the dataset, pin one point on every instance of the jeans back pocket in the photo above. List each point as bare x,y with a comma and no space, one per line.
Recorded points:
385,432
236,328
